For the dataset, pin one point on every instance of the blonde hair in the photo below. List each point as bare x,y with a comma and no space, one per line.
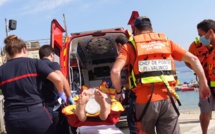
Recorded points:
13,45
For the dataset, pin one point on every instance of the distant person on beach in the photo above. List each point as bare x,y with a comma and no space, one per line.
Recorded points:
203,48
20,81
152,58
131,118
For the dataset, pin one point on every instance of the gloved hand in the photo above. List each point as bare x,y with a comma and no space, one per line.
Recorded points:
70,100
62,96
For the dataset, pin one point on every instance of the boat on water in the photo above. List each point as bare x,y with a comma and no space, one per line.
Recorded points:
187,89
191,86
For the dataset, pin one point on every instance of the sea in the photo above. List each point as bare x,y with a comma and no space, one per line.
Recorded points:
188,99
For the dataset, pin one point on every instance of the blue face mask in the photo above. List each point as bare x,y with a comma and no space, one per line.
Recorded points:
205,41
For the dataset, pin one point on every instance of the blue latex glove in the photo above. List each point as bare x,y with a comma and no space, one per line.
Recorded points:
70,100
62,96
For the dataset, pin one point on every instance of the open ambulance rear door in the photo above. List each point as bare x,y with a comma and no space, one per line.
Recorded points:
60,45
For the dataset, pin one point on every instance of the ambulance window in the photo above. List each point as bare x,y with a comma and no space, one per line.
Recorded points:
104,60
57,55
57,51
102,71
91,75
81,54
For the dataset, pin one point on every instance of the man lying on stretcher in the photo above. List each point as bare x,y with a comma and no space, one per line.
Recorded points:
93,99
94,106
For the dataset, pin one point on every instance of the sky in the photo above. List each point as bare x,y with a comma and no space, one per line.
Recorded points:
176,18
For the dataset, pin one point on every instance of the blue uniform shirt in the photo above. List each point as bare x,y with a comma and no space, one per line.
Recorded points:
21,80
49,92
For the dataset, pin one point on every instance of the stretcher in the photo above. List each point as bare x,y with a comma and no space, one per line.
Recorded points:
93,119
100,129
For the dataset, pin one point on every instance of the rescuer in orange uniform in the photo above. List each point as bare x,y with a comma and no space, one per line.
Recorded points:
203,48
152,58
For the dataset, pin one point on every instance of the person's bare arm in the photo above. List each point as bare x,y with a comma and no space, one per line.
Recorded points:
66,86
188,65
116,73
192,51
197,67
56,80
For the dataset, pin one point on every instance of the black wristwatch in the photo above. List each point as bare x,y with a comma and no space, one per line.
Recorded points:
119,92
122,88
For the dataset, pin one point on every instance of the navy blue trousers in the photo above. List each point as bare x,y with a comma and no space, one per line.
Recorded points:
28,120
131,115
59,120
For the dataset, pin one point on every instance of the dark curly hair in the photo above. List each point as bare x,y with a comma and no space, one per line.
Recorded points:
206,25
45,51
121,39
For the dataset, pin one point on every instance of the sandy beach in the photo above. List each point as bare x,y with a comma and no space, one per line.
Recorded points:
189,122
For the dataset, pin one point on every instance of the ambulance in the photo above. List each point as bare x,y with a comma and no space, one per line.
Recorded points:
86,58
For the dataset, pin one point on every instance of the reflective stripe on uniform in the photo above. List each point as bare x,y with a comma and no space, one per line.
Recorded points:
212,83
155,79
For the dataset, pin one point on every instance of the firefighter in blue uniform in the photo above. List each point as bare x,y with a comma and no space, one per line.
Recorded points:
50,94
20,82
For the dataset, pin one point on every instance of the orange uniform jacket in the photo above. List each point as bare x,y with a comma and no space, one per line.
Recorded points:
128,53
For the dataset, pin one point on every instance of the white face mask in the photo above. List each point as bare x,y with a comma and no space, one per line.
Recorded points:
204,41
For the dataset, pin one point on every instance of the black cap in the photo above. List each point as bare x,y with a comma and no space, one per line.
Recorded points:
142,20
